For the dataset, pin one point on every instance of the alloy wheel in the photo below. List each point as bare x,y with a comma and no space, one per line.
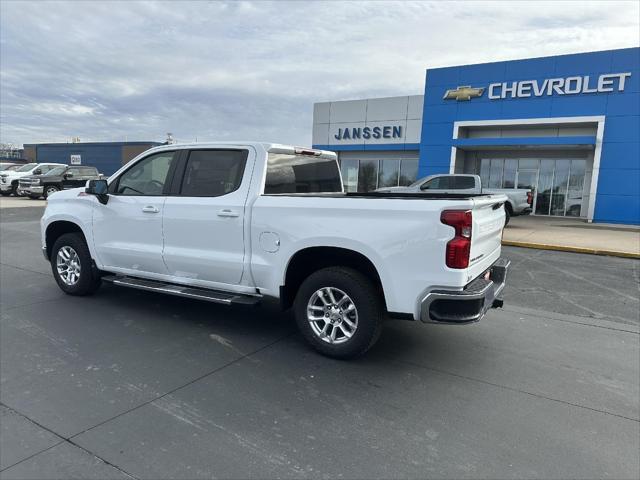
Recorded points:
333,315
68,265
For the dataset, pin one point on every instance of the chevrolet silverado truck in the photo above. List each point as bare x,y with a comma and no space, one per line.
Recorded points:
10,179
235,223
59,178
519,201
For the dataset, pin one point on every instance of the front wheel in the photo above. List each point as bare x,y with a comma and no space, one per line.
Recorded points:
49,190
72,265
339,312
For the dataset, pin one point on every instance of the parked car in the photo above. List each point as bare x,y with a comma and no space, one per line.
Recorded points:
519,200
237,223
9,180
59,178
7,165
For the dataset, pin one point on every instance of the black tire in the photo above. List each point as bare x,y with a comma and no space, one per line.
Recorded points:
34,197
48,190
368,306
507,214
14,191
5,194
89,278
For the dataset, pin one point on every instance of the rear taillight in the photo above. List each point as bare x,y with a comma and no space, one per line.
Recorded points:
459,248
530,197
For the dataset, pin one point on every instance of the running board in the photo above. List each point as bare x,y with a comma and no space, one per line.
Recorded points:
215,296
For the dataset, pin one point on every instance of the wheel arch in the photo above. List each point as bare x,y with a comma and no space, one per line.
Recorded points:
509,207
58,228
310,259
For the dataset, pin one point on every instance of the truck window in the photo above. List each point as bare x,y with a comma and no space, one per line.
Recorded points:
213,173
146,177
463,183
290,173
438,183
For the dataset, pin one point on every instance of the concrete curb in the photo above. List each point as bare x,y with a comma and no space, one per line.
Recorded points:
568,248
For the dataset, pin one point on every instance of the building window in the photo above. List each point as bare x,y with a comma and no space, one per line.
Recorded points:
349,168
408,172
510,168
495,174
576,185
388,173
368,175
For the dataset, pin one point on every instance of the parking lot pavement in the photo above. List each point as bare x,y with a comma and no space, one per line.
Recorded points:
20,202
133,384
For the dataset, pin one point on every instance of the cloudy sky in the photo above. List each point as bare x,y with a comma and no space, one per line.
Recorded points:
107,71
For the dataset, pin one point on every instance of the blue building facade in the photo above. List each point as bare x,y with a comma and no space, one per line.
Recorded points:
107,157
567,127
575,106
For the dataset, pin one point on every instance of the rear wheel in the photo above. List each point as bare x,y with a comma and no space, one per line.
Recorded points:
50,189
339,312
72,265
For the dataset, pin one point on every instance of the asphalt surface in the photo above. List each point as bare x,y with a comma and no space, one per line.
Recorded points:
134,384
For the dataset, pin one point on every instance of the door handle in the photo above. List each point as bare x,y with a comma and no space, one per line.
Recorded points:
225,212
150,209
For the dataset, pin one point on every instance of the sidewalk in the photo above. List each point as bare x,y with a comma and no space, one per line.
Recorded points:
573,235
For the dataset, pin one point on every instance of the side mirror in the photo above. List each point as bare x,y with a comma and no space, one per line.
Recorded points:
37,171
99,188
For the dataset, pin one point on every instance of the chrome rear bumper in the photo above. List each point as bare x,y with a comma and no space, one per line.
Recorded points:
469,304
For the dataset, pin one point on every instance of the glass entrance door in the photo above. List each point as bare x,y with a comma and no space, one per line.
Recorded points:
556,182
529,179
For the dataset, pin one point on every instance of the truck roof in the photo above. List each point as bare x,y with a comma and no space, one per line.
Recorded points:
259,145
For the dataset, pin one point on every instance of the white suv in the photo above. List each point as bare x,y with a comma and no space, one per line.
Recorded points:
9,178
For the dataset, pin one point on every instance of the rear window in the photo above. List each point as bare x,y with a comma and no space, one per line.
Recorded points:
462,183
289,173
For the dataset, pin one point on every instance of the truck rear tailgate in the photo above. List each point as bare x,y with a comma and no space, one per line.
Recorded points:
486,237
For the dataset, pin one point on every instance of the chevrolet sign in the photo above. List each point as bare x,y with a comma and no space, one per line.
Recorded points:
463,93
558,86
547,87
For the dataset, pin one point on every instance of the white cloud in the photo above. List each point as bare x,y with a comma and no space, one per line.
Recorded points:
110,70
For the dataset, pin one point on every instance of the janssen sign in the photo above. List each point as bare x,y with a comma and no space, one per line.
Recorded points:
605,83
366,133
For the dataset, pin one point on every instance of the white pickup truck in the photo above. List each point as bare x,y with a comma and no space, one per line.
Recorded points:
234,223
519,201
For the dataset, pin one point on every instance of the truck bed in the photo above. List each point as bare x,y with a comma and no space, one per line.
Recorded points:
373,195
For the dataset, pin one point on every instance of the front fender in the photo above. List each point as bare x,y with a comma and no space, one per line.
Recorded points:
76,210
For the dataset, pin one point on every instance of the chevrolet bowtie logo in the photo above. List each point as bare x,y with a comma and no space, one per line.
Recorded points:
463,93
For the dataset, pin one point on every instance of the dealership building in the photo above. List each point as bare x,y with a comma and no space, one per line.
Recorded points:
566,127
